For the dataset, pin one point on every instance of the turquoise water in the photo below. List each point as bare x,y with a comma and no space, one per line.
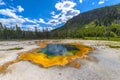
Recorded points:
58,49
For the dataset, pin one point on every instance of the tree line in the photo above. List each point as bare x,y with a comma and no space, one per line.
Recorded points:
92,29
17,33
102,22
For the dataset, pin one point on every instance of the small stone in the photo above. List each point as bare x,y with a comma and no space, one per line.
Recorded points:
60,73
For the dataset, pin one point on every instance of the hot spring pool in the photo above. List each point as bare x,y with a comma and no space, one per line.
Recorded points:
58,49
52,54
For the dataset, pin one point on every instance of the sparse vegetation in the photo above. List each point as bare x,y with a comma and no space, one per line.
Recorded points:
16,48
111,46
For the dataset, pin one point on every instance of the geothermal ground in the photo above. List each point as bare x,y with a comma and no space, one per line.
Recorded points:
102,64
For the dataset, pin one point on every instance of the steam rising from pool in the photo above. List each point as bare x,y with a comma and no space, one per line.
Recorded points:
58,49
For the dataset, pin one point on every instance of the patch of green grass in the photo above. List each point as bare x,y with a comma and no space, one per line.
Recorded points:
102,38
16,48
111,46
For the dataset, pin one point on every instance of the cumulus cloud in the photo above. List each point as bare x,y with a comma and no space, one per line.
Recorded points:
56,16
67,11
13,18
20,8
41,20
65,5
32,27
52,13
81,1
11,12
102,1
8,12
9,21
30,21
2,2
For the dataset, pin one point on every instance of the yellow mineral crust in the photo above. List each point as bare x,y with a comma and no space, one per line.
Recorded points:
43,60
4,66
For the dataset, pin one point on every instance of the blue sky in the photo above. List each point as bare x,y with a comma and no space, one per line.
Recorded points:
45,13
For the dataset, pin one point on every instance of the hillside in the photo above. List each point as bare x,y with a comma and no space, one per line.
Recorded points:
101,22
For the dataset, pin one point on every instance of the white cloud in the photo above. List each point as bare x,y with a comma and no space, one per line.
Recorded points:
8,12
10,18
20,8
30,27
67,11
101,2
65,5
56,16
10,21
13,18
30,21
2,2
53,13
65,8
19,20
39,28
53,22
81,1
41,20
